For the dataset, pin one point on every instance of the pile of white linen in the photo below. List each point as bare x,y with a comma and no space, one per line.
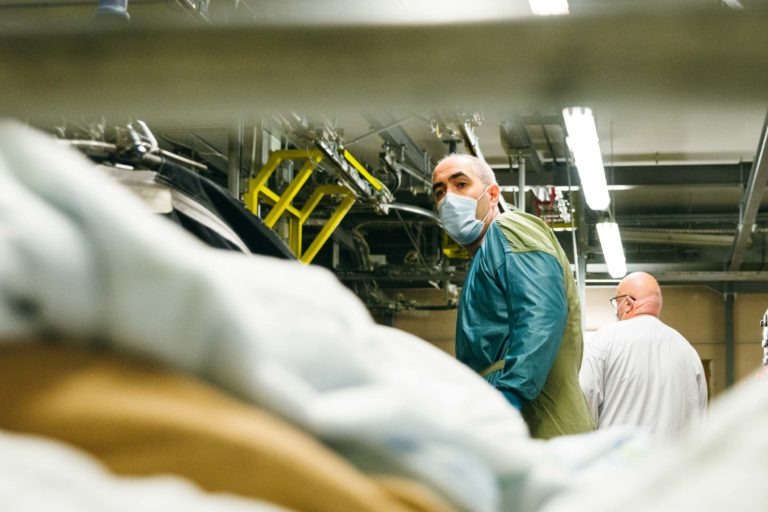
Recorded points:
38,475
82,257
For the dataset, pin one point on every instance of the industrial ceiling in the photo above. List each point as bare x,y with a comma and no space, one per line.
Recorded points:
678,92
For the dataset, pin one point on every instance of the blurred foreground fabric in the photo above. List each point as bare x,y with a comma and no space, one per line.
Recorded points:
39,474
139,418
83,259
165,356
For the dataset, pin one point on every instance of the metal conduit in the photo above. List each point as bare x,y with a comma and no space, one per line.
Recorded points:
113,9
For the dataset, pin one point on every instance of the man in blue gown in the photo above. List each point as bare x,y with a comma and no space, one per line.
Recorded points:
519,320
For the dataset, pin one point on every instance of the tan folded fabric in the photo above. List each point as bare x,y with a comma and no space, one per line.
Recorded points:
142,419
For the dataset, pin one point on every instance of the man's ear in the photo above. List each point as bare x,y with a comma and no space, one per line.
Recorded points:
493,194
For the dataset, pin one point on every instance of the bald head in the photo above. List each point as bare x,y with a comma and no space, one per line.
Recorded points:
643,296
476,166
471,177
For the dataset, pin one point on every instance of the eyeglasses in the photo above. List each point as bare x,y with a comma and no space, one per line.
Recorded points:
615,300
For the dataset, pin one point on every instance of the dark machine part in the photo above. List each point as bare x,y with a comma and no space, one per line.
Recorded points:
135,146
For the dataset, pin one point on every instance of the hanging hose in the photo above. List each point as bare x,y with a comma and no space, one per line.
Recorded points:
113,9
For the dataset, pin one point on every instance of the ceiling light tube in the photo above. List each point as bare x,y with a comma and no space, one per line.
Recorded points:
549,7
613,252
583,142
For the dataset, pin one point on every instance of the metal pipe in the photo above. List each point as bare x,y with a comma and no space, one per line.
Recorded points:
406,169
378,130
113,9
750,202
549,145
209,146
521,184
581,241
415,209
729,337
676,237
235,156
182,160
414,242
470,139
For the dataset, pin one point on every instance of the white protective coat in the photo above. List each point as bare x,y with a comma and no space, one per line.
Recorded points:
643,373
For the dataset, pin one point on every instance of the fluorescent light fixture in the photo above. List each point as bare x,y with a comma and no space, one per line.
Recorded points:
613,252
583,141
549,7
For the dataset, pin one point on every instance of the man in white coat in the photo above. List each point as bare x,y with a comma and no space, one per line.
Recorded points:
639,371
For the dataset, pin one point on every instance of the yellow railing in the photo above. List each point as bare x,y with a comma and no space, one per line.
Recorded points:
282,203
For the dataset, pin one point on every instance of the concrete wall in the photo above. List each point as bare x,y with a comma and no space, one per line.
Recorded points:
437,327
697,312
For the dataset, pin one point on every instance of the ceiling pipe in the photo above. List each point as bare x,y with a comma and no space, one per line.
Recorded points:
676,237
414,209
516,139
113,9
693,277
391,132
750,202
471,142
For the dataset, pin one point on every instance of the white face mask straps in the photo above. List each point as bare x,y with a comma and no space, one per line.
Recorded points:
484,192
489,205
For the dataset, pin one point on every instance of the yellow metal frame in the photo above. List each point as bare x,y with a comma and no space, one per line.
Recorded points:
283,203
453,250
362,170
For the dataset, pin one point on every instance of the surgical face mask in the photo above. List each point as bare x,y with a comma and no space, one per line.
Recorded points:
459,217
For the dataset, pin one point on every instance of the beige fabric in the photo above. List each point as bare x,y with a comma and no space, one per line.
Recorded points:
141,419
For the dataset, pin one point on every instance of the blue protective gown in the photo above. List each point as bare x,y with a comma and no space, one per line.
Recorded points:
519,324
